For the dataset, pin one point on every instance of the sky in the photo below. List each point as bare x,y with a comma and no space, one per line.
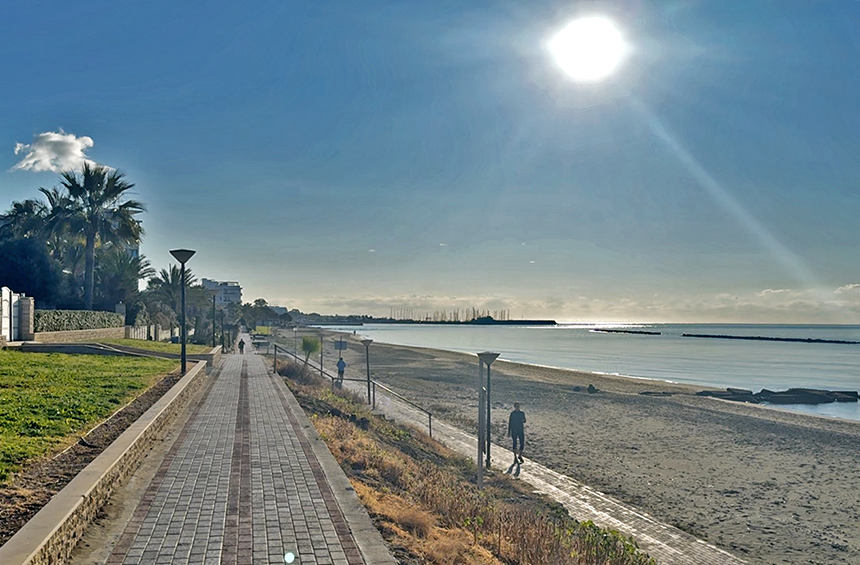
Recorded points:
354,156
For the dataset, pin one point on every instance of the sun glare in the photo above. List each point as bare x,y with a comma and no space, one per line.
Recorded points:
588,49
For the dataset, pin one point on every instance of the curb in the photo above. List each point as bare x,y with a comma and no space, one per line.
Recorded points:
51,535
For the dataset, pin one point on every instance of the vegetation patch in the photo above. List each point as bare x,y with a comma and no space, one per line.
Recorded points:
158,346
45,398
423,498
69,320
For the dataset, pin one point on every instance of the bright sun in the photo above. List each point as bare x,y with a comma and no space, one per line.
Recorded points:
588,49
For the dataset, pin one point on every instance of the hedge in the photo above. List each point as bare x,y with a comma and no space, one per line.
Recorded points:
67,320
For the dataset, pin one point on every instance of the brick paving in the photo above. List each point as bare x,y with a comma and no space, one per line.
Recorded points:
243,483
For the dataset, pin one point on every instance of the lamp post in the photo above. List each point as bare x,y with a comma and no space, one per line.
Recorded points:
214,293
296,339
487,358
222,330
183,255
367,343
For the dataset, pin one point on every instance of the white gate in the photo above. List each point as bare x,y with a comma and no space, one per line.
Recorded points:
9,315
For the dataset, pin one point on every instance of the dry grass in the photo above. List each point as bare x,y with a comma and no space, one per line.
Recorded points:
424,502
300,374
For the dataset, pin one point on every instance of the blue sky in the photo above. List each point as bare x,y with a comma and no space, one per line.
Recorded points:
350,157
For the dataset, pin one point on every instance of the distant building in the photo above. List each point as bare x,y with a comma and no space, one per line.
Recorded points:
229,292
133,250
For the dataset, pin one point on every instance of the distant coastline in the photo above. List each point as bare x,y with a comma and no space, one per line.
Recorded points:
477,322
486,321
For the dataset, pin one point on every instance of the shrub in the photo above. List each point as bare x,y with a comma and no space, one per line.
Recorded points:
415,520
69,320
300,374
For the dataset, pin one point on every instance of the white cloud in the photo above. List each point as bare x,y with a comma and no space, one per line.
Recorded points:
853,287
53,151
771,291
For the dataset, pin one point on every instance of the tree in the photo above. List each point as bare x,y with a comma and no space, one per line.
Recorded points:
26,267
163,296
99,212
310,345
166,287
24,220
117,276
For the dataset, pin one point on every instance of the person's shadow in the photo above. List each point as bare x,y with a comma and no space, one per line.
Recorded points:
514,469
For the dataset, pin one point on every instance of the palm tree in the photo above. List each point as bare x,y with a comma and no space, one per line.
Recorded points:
166,288
118,273
98,211
25,219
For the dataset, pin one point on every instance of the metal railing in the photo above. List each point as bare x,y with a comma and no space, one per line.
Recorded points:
374,384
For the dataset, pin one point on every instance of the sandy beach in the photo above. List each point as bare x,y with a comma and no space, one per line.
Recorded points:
770,486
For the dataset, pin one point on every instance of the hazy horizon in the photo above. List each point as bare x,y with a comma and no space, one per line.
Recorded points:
354,157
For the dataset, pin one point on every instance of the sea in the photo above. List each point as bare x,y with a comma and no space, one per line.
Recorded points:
753,364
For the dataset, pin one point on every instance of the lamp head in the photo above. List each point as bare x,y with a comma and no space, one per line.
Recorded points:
488,357
182,255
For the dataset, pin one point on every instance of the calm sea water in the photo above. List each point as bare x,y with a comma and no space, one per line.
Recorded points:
669,357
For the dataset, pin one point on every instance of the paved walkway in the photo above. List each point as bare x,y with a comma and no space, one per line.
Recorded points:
669,545
249,481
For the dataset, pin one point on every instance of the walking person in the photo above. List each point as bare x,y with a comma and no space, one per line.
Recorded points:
341,367
241,346
516,431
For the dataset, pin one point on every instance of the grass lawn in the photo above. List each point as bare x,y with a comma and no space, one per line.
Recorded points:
47,397
160,346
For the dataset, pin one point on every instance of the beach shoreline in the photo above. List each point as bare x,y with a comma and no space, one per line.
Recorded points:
768,485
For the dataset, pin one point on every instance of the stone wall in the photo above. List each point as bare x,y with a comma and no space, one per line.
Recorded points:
79,335
51,535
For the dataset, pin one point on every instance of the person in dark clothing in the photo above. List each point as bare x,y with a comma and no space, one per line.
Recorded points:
242,346
516,430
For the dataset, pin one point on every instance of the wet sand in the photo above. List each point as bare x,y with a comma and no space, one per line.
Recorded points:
771,487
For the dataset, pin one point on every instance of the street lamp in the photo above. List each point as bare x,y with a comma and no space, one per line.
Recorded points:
183,255
487,358
367,343
296,339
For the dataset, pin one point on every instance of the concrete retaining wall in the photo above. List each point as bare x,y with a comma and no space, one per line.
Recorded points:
51,535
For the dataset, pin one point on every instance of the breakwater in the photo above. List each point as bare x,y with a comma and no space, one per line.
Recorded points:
764,338
613,331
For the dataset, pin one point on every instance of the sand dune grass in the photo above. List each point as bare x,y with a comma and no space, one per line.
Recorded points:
423,498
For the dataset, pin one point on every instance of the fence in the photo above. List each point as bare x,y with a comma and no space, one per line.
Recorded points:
373,385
